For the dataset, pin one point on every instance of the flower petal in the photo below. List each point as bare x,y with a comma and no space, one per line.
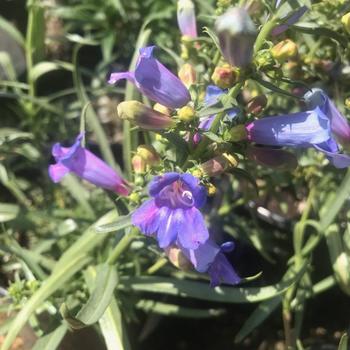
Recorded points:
159,182
331,150
199,192
115,77
297,130
146,217
159,84
57,172
222,271
192,231
186,18
170,221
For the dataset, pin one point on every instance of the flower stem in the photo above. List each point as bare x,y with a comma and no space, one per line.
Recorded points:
264,33
122,246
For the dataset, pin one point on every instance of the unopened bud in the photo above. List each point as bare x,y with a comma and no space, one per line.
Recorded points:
143,116
284,50
238,133
219,164
225,76
236,32
186,18
149,154
197,173
187,75
342,271
177,258
257,104
346,22
162,109
134,197
347,102
186,114
138,164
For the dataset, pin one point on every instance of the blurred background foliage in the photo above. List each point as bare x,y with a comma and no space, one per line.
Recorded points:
54,60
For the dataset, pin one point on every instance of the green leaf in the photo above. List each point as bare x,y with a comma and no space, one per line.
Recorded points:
101,295
121,223
259,315
52,340
343,344
197,290
213,137
111,322
176,310
7,66
212,36
10,29
56,281
315,29
8,211
43,68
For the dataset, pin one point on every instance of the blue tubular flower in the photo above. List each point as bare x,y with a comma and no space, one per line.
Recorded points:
186,18
304,129
155,81
172,214
210,258
316,98
86,165
291,18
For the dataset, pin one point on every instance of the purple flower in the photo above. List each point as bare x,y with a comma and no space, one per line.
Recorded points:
304,129
316,98
186,18
172,214
83,163
210,258
155,81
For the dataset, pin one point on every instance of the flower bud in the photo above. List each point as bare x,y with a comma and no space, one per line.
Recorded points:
186,114
177,258
225,76
219,164
143,116
284,50
346,22
149,154
347,102
238,133
162,109
236,32
341,268
257,104
187,75
186,18
138,164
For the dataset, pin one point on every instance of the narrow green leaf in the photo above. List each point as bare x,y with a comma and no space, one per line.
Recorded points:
198,290
121,223
43,68
49,286
101,295
176,310
343,344
259,315
8,211
52,340
10,29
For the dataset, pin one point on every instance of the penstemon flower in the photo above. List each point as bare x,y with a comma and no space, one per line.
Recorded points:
172,214
340,127
83,163
208,258
155,81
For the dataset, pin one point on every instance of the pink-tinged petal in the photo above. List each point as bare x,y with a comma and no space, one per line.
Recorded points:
115,77
186,18
57,172
192,231
146,218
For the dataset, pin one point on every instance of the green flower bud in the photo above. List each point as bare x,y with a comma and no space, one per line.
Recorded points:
284,50
143,116
225,76
346,22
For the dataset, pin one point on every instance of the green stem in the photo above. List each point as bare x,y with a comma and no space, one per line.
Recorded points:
264,33
122,246
156,266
